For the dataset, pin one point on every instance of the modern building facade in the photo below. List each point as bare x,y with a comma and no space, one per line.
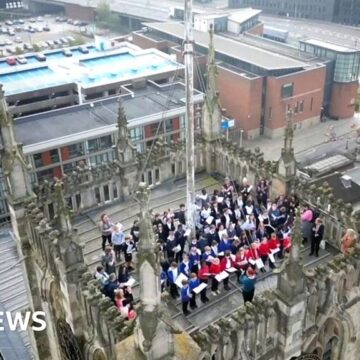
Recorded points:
344,74
341,11
65,81
256,86
60,145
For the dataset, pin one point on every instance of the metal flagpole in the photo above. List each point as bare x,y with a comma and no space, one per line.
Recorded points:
189,129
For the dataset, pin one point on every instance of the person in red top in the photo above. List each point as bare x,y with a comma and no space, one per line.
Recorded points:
287,244
203,275
274,242
215,269
241,262
227,262
264,251
252,255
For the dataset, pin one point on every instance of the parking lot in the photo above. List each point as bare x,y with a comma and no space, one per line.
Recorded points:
38,34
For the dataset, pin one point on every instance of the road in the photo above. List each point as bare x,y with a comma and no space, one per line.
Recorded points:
305,29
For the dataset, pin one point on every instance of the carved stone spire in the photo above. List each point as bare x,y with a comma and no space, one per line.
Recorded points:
13,159
287,162
291,280
289,134
125,149
154,336
62,209
211,119
212,72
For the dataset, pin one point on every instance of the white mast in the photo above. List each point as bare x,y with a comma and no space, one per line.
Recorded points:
189,128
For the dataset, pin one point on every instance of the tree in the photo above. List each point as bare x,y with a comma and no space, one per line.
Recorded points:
18,51
103,11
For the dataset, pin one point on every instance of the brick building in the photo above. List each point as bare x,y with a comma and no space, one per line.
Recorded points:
256,86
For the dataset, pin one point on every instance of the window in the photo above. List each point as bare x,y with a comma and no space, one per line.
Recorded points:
38,160
157,175
169,125
301,106
97,195
103,143
296,108
54,155
3,207
287,90
78,200
51,210
115,191
311,104
150,180
45,175
136,134
270,112
75,150
106,193
173,172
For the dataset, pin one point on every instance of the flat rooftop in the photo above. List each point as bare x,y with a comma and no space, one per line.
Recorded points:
249,54
70,124
330,46
243,15
94,69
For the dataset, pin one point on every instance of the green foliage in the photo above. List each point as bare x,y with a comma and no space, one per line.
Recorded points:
36,47
78,41
105,18
103,11
18,51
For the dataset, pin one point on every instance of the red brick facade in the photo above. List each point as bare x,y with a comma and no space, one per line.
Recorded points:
241,97
149,43
257,30
306,101
343,99
80,12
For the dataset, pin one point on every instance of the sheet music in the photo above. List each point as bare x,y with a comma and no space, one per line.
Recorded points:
179,280
223,275
231,270
200,288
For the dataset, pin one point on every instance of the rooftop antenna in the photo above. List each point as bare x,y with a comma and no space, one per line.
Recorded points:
189,123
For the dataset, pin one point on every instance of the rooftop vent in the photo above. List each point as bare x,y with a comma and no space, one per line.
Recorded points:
346,181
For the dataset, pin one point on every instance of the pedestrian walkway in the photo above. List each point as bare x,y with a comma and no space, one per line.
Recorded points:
305,139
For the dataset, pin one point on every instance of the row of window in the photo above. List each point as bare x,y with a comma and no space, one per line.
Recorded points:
298,107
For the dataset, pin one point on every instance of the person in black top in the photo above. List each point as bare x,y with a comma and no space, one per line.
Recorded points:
134,232
181,214
317,236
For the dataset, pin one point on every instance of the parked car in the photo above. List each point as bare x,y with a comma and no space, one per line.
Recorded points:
21,59
57,42
10,51
8,42
70,38
11,60
40,19
50,42
18,40
44,45
46,28
32,20
27,46
70,21
67,52
61,19
40,57
30,29
9,22
64,40
18,28
2,42
83,49
12,33
83,23
38,28
4,30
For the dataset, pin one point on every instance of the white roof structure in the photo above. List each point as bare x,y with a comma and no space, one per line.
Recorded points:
244,15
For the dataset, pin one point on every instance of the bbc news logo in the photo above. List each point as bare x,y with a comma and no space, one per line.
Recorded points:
23,320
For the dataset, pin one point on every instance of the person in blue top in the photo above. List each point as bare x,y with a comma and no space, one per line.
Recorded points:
185,296
224,244
194,259
193,283
248,281
172,274
185,266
